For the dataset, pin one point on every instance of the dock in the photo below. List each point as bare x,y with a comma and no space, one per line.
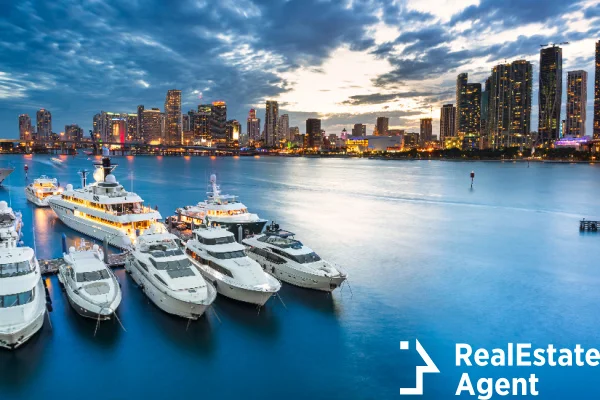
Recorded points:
590,226
50,267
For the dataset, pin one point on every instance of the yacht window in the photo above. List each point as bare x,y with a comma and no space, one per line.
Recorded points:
179,273
221,240
143,265
299,258
157,253
228,255
92,276
175,268
174,252
161,280
19,299
16,269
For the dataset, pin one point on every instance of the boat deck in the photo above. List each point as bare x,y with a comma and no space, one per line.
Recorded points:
50,266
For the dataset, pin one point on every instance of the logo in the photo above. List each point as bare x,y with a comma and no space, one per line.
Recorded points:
429,368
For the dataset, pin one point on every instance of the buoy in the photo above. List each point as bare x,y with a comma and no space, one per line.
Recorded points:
472,178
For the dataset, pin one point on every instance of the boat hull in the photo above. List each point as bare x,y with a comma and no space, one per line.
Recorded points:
87,309
35,200
15,339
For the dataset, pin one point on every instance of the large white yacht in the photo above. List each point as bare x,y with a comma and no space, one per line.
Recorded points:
11,223
163,271
293,262
104,208
22,296
40,189
223,261
92,288
221,210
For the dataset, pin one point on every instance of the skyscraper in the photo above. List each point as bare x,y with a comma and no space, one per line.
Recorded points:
185,122
25,132
132,128
461,91
597,94
447,122
253,126
234,130
44,124
550,94
468,111
152,126
218,122
313,131
201,126
140,123
497,119
283,128
359,130
382,125
576,103
271,120
73,132
173,125
521,93
426,131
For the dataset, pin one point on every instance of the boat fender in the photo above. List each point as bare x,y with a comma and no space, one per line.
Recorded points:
49,307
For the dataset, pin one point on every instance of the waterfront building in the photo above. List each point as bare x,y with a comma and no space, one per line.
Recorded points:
399,132
271,120
73,132
359,130
185,122
173,124
202,121
132,128
411,140
597,93
447,121
234,130
163,127
218,123
313,131
253,126
140,123
382,126
44,124
151,129
426,130
550,94
521,93
576,103
452,142
283,128
294,133
25,132
468,111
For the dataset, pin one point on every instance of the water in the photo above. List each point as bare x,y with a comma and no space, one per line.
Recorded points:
428,258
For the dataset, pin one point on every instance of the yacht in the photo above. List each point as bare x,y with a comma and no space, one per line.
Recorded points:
221,210
5,172
92,288
22,295
41,188
56,161
223,261
104,209
10,223
165,274
291,261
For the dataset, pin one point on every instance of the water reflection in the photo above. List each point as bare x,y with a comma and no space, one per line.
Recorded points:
326,303
263,322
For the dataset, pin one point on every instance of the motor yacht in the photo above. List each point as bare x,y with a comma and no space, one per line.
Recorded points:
292,262
163,271
223,261
91,287
40,189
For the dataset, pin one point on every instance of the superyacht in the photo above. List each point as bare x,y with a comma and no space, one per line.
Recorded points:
42,188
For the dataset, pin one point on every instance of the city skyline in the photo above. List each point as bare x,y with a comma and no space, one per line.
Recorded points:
350,73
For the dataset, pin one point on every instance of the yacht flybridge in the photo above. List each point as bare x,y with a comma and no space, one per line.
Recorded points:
293,262
163,271
41,188
22,297
222,210
223,261
104,209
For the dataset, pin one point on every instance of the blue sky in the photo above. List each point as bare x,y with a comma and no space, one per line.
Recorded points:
344,61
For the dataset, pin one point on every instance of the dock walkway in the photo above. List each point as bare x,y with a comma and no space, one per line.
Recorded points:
50,266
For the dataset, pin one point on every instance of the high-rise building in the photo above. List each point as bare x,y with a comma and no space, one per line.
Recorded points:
271,120
497,119
294,133
382,126
283,128
73,132
173,126
25,132
576,103
550,94
234,130
597,93
253,126
44,124
359,130
185,122
447,122
140,123
521,94
152,126
313,131
426,131
218,122
461,91
201,126
468,111
132,128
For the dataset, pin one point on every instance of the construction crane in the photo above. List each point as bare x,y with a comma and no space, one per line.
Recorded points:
553,44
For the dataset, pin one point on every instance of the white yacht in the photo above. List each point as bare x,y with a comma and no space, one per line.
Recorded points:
221,210
292,262
223,261
92,288
5,172
163,271
10,223
104,208
40,189
22,295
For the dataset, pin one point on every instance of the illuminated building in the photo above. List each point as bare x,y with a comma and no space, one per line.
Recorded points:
283,128
173,124
411,140
25,132
185,122
426,130
151,126
201,125
468,111
163,127
132,128
597,93
550,94
140,123
313,131
234,129
355,144
452,142
344,134
382,126
576,103
577,143
359,130
253,126
271,120
44,124
218,123
447,122
398,132
521,92
119,130
73,132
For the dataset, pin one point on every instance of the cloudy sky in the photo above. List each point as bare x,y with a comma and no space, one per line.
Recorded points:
345,61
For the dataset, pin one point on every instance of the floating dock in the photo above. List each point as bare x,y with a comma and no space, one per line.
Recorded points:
50,267
590,226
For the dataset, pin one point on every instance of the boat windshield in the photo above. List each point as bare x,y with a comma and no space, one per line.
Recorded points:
18,299
175,268
213,241
92,276
228,255
282,242
17,269
306,258
166,253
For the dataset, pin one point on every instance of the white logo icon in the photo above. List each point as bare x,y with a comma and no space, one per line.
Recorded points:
429,368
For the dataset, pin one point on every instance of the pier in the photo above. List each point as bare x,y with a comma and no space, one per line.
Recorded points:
590,226
50,267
